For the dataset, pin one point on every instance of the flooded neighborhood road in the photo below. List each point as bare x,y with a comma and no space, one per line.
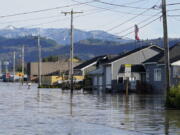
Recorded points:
35,111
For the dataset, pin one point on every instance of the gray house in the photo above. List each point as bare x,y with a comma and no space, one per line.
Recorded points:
107,75
155,69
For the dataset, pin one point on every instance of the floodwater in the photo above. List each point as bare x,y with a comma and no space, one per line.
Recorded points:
55,112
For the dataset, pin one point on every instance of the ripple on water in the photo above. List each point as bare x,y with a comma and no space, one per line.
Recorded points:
52,111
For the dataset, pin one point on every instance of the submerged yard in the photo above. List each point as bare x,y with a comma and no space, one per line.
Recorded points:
53,111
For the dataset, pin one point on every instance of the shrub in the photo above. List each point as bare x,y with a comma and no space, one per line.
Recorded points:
173,98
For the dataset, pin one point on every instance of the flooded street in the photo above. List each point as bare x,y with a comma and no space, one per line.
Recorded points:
53,111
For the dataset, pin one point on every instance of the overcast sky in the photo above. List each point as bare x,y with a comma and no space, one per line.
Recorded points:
93,18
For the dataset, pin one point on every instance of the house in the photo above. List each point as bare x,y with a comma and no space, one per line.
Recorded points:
155,69
107,74
88,65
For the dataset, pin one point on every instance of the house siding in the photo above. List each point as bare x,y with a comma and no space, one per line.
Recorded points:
157,86
108,77
175,80
135,58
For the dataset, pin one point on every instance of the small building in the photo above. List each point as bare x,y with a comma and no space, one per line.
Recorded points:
155,69
107,74
88,65
48,68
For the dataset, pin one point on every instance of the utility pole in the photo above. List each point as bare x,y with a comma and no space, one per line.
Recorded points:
22,60
14,65
0,68
72,48
40,62
166,48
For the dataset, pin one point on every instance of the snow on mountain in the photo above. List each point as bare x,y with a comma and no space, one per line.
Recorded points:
60,35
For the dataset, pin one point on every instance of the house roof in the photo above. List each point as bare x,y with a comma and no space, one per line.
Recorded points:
134,51
134,68
89,62
105,59
174,54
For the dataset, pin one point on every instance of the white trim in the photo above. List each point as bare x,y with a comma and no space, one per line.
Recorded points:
176,63
92,63
89,65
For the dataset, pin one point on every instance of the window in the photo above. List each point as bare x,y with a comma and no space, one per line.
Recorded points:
157,74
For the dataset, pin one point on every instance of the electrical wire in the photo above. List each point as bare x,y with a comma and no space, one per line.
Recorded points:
30,19
109,9
44,10
134,2
173,10
145,20
126,21
142,26
172,4
39,24
62,19
124,6
173,15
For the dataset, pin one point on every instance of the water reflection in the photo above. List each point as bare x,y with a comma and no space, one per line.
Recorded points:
71,104
52,111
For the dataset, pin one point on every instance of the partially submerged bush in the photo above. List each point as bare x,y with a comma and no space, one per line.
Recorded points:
173,98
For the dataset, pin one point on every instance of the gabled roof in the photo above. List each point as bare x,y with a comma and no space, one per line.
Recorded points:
174,54
134,51
89,62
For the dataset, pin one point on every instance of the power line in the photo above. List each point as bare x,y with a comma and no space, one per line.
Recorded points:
44,10
124,6
173,10
134,2
142,26
34,19
43,23
145,20
172,4
110,9
60,19
173,15
30,19
128,20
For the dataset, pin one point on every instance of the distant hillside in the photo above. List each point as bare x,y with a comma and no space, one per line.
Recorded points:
84,49
89,48
60,35
29,41
7,46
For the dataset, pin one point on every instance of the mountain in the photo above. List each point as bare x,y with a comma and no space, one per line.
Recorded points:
84,49
61,35
89,48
